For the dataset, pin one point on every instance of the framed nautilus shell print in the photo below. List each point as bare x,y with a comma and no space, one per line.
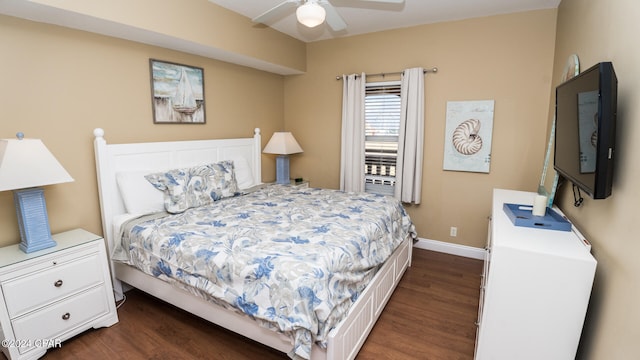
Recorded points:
467,145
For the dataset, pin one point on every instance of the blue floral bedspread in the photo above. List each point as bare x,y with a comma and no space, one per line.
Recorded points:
293,259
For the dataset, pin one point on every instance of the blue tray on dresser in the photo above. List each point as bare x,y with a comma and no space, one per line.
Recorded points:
521,215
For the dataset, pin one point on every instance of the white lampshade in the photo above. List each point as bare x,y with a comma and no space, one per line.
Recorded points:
310,14
282,143
26,163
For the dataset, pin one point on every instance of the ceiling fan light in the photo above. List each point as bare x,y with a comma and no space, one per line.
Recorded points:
310,14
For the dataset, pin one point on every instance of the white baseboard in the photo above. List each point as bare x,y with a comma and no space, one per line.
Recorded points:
450,248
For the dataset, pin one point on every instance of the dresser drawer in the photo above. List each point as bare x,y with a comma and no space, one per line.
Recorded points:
26,293
54,321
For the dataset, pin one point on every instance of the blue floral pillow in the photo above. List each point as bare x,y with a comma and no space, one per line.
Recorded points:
196,186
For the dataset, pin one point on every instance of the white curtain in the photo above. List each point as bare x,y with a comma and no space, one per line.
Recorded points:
408,187
352,153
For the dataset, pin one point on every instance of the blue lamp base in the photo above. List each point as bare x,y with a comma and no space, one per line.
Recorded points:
282,170
33,220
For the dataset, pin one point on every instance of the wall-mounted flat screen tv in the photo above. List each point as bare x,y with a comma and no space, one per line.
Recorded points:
586,129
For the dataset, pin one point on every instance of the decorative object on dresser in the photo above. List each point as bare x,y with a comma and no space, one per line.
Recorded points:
283,144
536,286
25,165
572,69
54,294
525,215
177,92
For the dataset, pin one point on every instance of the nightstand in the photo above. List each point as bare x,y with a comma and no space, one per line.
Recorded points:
53,294
300,184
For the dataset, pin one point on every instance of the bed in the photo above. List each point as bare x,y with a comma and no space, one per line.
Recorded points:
320,311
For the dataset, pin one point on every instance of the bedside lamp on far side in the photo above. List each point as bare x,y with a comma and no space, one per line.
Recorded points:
282,144
25,165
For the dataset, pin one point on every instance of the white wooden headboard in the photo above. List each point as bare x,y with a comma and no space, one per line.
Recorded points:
159,156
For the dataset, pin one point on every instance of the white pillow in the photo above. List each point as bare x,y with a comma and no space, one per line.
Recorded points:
244,174
138,195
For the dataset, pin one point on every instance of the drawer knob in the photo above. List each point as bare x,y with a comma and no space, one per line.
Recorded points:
66,316
57,283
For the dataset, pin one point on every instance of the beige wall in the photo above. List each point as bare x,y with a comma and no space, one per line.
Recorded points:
606,30
506,58
198,25
59,84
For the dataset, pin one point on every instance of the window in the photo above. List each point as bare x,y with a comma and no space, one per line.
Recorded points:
382,125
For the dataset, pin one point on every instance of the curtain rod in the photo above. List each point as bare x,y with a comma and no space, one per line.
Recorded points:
433,70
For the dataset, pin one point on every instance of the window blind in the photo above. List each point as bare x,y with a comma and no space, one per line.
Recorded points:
382,125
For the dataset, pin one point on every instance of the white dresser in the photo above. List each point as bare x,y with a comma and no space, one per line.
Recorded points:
535,289
53,294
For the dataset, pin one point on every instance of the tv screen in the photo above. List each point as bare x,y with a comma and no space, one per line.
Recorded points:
585,129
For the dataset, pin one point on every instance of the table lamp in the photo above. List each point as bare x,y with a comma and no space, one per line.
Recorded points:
283,144
25,165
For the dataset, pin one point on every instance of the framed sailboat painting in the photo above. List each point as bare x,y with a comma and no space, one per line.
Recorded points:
177,92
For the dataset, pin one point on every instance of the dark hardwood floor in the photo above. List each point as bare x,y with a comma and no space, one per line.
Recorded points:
431,315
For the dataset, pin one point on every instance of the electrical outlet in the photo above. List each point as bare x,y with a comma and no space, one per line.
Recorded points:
453,231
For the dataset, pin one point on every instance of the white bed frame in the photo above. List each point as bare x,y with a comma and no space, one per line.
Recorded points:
344,341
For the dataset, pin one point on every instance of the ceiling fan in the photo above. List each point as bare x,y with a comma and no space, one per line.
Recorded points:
312,13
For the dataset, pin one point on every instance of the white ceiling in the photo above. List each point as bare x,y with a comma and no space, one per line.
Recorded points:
365,17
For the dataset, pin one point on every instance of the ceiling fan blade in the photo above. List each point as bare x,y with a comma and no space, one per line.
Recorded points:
333,19
386,1
276,12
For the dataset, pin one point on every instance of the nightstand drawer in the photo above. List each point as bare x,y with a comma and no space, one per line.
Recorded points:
54,321
26,293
